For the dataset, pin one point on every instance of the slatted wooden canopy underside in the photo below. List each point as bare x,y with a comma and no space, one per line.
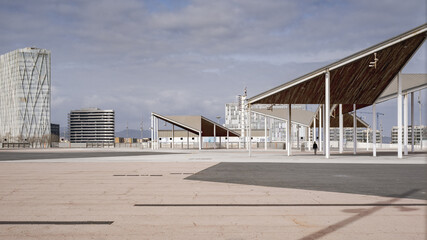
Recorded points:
351,83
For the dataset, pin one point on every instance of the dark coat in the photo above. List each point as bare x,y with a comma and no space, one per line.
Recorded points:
314,146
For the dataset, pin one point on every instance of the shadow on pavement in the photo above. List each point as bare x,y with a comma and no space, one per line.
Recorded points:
388,180
361,214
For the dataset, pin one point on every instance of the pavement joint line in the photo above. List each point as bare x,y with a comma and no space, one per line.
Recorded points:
286,205
56,222
143,175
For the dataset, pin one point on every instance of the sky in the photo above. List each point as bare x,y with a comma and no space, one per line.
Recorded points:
192,57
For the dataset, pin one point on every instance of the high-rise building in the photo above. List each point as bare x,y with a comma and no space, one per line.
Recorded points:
91,125
25,96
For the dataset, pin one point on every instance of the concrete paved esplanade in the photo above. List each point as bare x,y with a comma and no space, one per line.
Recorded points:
221,194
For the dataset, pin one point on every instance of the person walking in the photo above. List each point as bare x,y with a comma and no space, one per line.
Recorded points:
315,147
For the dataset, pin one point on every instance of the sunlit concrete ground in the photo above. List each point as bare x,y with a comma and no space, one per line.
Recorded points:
212,194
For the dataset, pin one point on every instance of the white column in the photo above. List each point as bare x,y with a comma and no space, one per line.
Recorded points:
324,128
327,113
412,123
249,130
399,116
354,130
320,128
374,130
157,133
314,129
173,136
152,132
405,124
200,140
367,138
421,129
188,140
341,130
297,136
265,132
228,138
309,138
289,131
214,136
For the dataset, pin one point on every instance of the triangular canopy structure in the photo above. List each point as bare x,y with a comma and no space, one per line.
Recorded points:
305,118
354,82
299,116
198,124
410,83
347,122
354,79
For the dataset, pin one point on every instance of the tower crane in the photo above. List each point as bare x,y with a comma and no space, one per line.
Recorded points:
379,123
378,116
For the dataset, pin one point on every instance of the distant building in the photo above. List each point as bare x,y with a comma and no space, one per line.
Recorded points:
25,97
91,125
54,134
236,118
348,135
419,130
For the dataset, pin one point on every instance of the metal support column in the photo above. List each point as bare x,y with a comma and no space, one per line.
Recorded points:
228,138
399,116
405,124
421,129
327,113
314,129
320,128
200,140
298,136
412,123
289,131
188,140
157,133
173,136
374,131
249,130
324,128
354,130
152,132
367,139
214,136
265,132
341,130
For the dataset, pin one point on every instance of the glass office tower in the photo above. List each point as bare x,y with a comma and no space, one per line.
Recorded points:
25,96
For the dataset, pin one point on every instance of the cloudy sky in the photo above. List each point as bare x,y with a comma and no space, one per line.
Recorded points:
191,57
